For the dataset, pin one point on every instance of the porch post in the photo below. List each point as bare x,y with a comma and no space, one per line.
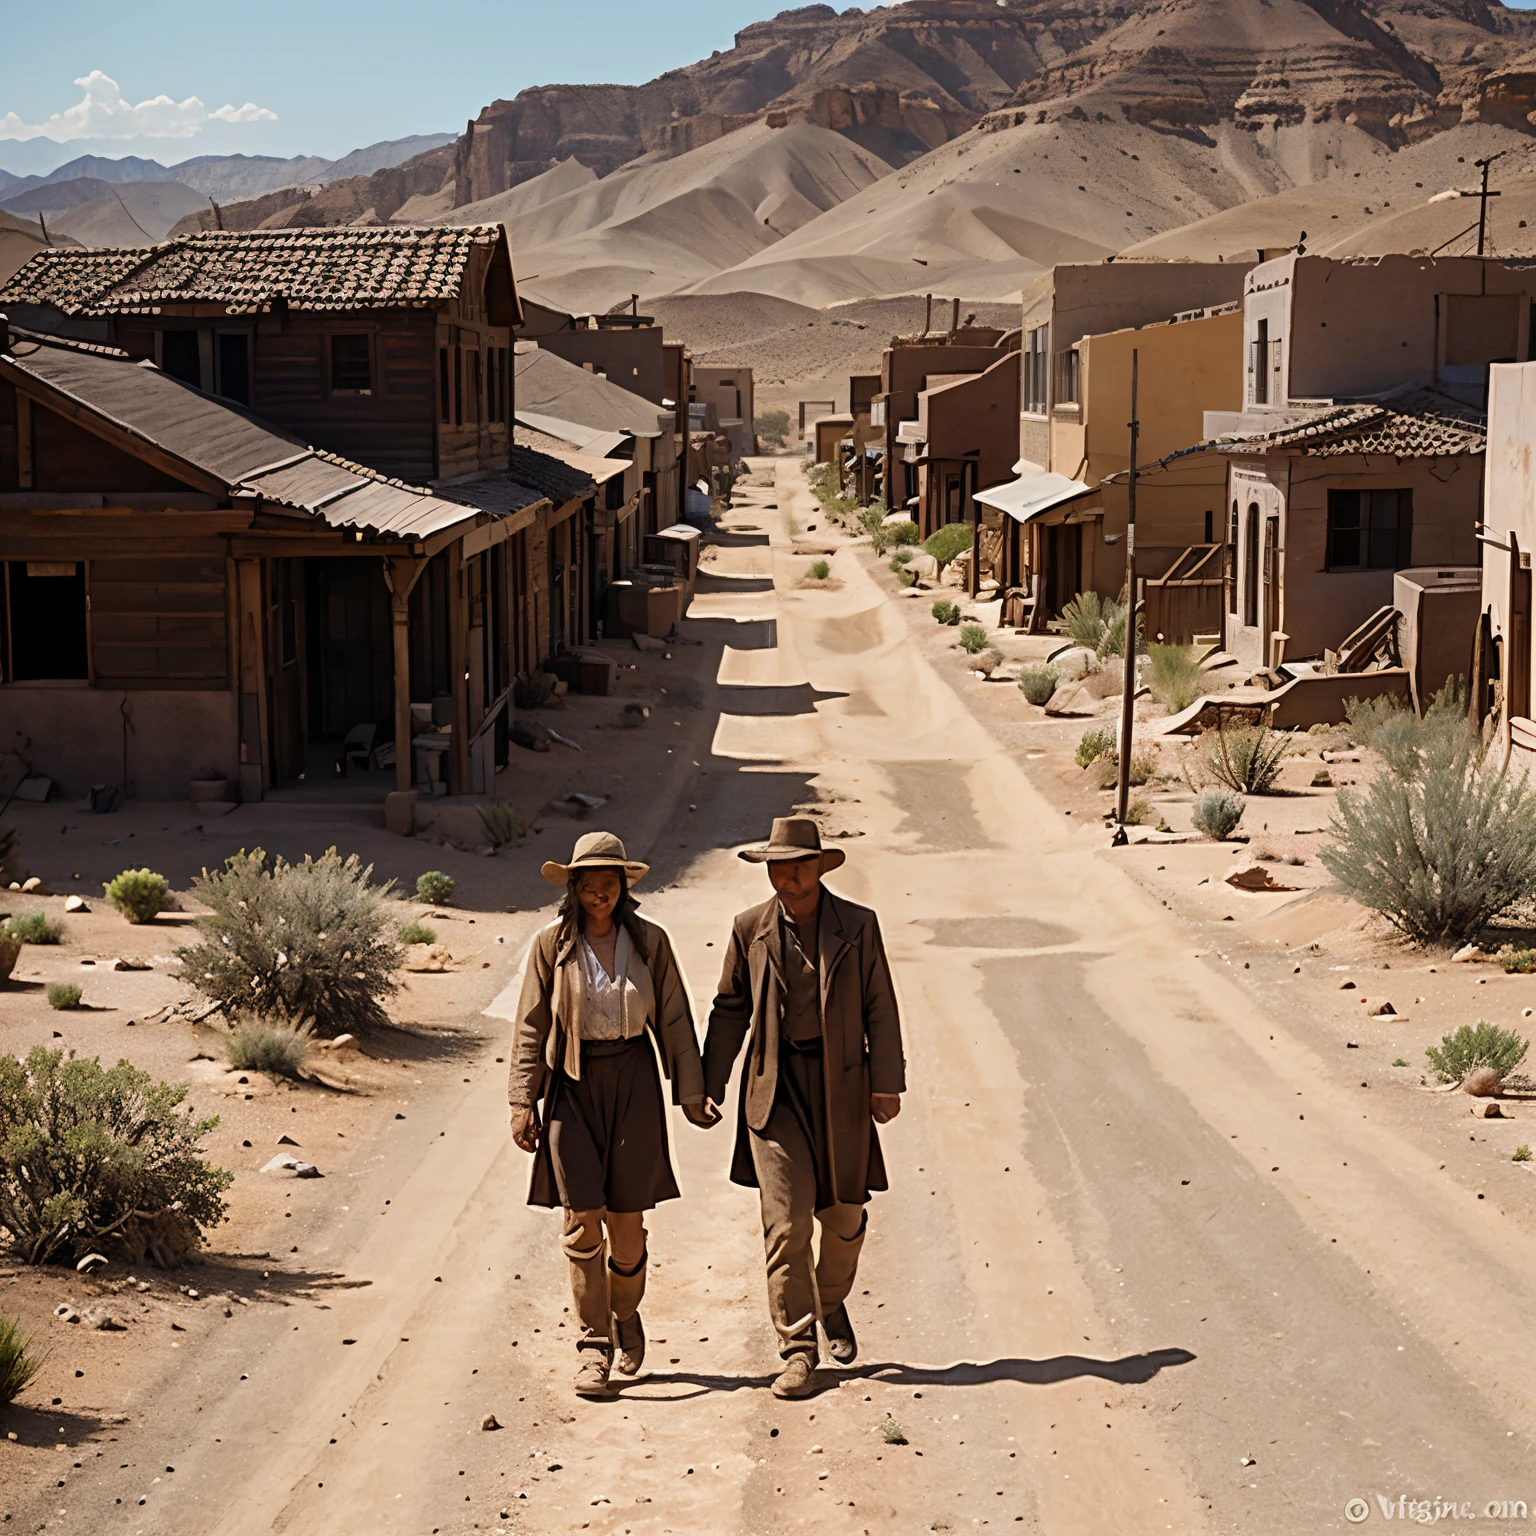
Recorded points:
458,625
400,576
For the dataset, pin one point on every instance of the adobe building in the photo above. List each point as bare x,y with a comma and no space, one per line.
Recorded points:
729,390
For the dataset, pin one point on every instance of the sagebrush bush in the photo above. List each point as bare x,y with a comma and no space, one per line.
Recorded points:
901,559
1217,813
1096,742
947,542
18,1366
1404,740
1174,676
35,928
906,534
1136,812
502,825
1518,962
418,933
139,894
1143,765
281,1049
1440,850
988,660
872,521
93,1156
1247,758
435,888
973,638
821,570
1038,683
945,612
64,994
295,942
1482,1045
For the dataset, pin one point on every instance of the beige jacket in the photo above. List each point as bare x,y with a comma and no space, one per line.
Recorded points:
546,1033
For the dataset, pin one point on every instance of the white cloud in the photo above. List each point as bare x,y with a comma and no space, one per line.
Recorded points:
102,113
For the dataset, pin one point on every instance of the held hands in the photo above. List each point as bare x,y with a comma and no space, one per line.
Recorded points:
884,1107
704,1113
525,1129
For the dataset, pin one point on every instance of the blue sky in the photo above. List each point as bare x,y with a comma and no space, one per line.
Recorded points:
313,76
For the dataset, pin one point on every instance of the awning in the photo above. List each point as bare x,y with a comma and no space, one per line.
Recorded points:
1030,495
587,439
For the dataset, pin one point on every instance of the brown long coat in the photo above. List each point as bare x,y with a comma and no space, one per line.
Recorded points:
861,1035
546,1036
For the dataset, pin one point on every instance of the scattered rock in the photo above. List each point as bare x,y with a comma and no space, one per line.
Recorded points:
282,1163
1383,1010
1489,1109
76,904
66,1313
1469,952
1346,986
131,963
1251,875
426,957
103,1320
489,1422
307,1171
1482,1082
35,887
92,1262
1075,699
286,1140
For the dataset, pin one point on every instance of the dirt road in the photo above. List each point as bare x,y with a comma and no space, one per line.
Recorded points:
1137,1272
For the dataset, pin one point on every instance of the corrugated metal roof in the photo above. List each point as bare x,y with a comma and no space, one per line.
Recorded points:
248,270
244,454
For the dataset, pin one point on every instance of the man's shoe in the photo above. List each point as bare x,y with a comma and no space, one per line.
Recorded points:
841,1344
592,1378
631,1345
797,1379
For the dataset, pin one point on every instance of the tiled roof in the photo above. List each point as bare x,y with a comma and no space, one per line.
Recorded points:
247,270
1422,424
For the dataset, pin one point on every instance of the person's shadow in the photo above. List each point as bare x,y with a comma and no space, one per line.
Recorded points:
1129,1370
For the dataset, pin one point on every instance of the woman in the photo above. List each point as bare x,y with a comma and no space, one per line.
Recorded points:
599,978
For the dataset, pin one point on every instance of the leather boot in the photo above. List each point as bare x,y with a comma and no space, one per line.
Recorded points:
586,1252
626,1290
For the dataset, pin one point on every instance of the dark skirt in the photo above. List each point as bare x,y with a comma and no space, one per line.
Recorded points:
802,1091
604,1144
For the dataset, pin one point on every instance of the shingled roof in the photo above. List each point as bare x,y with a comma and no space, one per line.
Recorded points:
218,446
1418,424
247,271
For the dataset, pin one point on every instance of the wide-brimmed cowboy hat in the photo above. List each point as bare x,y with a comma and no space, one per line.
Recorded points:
597,850
794,837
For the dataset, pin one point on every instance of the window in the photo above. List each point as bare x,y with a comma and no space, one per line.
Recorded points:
444,386
1251,567
1036,351
614,494
46,614
232,362
351,364
1369,530
180,357
1069,376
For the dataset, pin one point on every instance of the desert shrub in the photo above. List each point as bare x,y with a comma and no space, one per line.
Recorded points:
989,660
891,1432
872,521
1518,962
1088,617
1246,758
295,942
10,849
1144,760
1217,813
1521,1154
948,541
1038,683
18,1366
87,1153
823,479
435,887
906,534
257,1046
502,826
904,577
973,638
417,933
1404,740
1480,1045
945,611
772,427
1174,676
138,894
1096,742
64,994
1136,812
821,570
1439,851
35,928
1113,643
900,559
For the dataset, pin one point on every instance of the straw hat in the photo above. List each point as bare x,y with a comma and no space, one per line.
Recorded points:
597,850
794,837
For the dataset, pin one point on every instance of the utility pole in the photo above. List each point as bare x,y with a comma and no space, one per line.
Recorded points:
1483,196
1128,691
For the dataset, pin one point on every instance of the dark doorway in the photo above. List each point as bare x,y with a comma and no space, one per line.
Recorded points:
47,621
181,357
351,663
1063,564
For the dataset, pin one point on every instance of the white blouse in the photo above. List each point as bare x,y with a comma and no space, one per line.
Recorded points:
608,1010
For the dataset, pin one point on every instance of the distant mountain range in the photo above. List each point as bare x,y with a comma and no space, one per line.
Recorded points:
219,176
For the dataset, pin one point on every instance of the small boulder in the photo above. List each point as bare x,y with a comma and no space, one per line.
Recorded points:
92,1262
1489,1109
286,1140
1383,1011
1075,662
1074,699
1482,1083
282,1163
66,1313
426,957
489,1422
1346,986
76,904
306,1171
131,963
1469,952
35,887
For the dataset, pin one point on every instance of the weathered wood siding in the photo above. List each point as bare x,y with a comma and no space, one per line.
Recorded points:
159,623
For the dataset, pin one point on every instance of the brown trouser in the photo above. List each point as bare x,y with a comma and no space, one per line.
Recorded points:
800,1291
605,1292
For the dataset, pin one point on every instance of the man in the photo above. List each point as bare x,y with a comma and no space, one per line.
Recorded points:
806,975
